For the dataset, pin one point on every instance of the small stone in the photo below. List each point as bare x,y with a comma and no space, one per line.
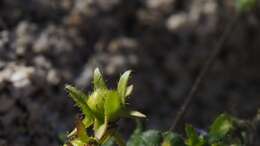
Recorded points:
122,43
161,5
3,142
53,77
21,76
25,36
41,44
7,103
107,5
114,63
41,61
5,75
2,64
20,51
177,22
4,38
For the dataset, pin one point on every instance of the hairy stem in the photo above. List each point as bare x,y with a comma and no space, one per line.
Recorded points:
217,49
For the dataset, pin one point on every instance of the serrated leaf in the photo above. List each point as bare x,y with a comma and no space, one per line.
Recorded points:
77,92
172,139
220,127
122,84
79,98
98,80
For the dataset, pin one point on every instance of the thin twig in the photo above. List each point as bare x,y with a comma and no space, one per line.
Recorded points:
217,49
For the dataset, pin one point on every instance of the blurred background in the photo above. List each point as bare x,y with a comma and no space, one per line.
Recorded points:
45,44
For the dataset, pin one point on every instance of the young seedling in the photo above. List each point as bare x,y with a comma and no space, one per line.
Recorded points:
101,109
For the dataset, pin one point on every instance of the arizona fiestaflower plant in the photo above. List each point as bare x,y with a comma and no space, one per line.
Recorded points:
101,109
104,106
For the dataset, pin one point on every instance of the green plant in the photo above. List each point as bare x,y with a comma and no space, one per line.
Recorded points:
224,131
245,5
101,109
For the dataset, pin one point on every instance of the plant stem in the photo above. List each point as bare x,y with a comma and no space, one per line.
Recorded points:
119,140
217,49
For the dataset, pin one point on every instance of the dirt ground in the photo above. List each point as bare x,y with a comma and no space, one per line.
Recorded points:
45,44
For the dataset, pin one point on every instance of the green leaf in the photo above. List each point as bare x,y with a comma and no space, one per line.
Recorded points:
97,124
79,98
136,138
96,102
109,142
193,139
137,114
81,131
221,127
129,90
133,114
113,106
101,130
192,136
76,92
147,138
152,137
72,133
87,121
99,82
122,85
245,5
77,142
172,139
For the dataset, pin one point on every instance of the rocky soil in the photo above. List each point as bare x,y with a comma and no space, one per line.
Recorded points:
45,44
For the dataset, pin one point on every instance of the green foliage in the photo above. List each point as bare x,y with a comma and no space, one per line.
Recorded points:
98,80
245,5
172,139
224,131
122,85
103,107
221,127
193,139
155,138
110,142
